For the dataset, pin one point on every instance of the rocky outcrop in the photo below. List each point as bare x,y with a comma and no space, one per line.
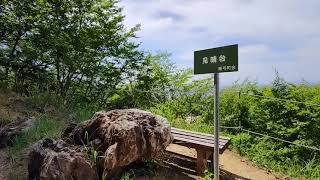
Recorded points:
10,131
123,136
59,161
119,137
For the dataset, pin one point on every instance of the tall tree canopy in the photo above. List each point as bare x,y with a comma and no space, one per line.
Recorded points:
69,47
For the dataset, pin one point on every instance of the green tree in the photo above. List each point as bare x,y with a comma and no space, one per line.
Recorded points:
77,47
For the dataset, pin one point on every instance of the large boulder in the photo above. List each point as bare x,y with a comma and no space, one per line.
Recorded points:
119,137
124,136
59,161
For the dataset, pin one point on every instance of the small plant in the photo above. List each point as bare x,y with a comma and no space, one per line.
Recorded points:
127,176
208,175
104,174
93,155
151,167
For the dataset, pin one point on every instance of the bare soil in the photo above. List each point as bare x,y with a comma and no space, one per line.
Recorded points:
12,106
232,165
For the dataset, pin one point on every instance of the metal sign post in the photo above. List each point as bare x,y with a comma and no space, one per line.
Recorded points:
216,60
216,126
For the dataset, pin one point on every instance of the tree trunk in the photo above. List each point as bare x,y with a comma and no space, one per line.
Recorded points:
59,83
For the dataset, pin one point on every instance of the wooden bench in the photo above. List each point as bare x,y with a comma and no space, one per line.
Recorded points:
202,143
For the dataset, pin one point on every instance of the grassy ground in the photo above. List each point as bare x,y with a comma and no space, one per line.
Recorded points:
52,115
275,156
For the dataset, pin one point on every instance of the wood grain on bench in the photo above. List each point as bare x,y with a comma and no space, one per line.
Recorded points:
202,142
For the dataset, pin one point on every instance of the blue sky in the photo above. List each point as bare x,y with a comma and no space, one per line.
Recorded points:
272,34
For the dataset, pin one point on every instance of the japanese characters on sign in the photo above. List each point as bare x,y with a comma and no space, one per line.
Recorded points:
223,59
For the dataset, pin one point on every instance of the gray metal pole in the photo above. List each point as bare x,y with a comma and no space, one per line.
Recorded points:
216,126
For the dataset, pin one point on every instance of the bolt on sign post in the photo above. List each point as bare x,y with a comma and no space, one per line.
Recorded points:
216,60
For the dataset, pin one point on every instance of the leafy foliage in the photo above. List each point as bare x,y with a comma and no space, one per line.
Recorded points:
73,48
79,57
282,110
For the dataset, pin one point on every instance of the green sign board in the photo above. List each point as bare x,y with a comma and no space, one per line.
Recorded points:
216,60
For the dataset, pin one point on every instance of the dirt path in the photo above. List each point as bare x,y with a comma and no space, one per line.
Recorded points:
232,165
241,168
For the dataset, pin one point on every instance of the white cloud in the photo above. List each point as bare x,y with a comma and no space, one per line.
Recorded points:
282,34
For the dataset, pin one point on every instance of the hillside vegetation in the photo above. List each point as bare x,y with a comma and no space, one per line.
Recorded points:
72,58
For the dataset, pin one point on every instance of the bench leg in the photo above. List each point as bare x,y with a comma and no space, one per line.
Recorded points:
209,155
201,161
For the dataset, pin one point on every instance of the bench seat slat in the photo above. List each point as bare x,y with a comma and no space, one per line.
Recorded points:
201,138
205,143
196,134
198,143
221,141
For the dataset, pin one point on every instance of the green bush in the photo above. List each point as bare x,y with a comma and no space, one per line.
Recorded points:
282,110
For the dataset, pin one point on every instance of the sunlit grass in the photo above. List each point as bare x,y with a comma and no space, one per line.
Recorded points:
44,127
276,157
